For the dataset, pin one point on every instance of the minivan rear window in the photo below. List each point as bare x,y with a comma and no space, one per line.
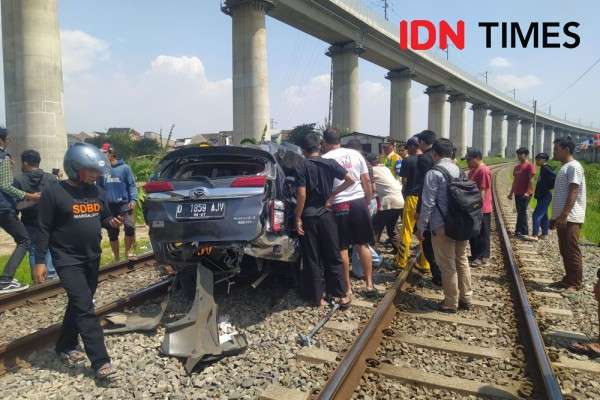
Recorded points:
190,169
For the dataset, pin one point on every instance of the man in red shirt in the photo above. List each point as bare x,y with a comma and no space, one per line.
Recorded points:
522,188
482,176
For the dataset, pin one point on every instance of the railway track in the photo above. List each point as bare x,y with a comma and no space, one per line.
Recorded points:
13,352
52,288
406,349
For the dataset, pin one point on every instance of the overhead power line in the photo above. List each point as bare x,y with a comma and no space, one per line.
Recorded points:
574,82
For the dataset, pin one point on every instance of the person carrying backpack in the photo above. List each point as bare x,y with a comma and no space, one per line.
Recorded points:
449,201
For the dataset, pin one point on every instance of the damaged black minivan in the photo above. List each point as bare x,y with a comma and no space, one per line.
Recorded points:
213,209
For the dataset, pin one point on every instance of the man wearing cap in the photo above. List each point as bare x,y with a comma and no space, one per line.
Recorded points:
390,158
410,191
482,176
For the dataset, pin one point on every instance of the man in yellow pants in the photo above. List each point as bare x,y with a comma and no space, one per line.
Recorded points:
411,193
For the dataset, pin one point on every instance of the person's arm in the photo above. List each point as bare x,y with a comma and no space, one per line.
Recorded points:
428,198
348,181
6,183
366,185
530,184
570,202
512,187
300,201
46,222
107,220
131,188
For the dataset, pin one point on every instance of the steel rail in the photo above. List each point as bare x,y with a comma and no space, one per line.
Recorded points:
542,362
347,375
53,287
12,354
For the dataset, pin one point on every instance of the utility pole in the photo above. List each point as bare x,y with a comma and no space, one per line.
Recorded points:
486,77
330,96
385,9
515,93
170,134
534,128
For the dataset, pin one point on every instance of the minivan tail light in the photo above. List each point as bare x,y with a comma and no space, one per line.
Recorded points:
249,181
158,186
276,216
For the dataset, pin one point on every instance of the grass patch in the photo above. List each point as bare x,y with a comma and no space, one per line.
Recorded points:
23,273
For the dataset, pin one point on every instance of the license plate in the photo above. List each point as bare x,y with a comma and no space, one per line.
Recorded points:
200,210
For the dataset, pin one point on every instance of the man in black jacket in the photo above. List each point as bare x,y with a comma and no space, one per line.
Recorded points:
33,180
72,214
543,197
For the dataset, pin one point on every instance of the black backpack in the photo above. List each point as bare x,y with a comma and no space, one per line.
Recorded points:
463,219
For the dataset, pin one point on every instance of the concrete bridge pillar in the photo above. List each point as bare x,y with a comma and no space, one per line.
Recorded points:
437,120
526,134
251,108
33,79
344,59
400,103
458,123
512,140
539,140
498,134
548,139
480,128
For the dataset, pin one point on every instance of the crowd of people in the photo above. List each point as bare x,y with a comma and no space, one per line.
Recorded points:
410,183
19,208
345,200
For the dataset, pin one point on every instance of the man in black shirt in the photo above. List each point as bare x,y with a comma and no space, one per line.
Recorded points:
71,215
33,180
316,224
543,197
424,164
410,191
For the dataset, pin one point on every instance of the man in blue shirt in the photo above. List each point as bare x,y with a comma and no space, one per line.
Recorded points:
121,195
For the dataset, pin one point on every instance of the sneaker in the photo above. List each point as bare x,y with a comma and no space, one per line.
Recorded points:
485,262
12,287
464,305
476,263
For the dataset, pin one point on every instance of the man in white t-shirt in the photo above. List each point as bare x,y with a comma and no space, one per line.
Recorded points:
568,213
351,207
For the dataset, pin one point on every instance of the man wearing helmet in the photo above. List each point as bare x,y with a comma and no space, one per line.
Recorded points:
72,213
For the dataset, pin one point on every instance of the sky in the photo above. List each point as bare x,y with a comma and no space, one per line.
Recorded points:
149,64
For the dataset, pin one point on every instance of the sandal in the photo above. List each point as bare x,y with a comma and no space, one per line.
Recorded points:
105,371
344,303
72,357
442,308
592,350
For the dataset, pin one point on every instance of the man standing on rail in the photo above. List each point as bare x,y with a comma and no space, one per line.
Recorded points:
450,254
411,193
315,222
72,213
568,213
482,176
522,189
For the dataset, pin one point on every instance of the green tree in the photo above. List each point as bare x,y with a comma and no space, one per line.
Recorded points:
298,133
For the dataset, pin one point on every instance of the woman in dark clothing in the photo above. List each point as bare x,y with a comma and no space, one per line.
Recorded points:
543,196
